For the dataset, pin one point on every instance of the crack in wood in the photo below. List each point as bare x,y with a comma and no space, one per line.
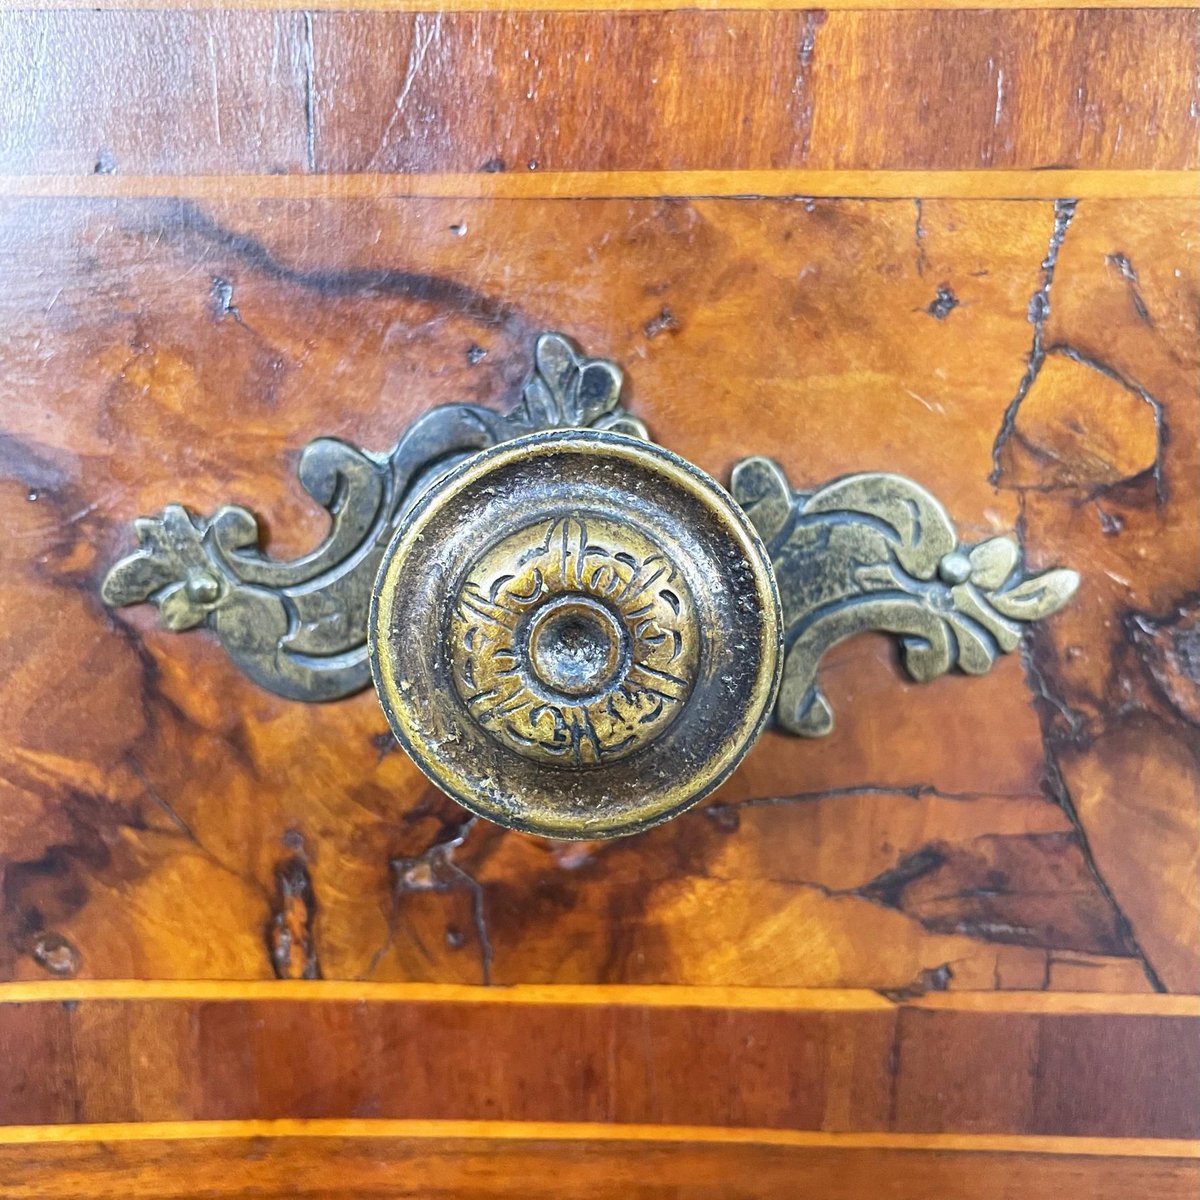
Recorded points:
435,870
919,236
1127,272
1046,704
1038,316
1161,429
1169,653
929,979
1038,313
718,811
291,933
310,96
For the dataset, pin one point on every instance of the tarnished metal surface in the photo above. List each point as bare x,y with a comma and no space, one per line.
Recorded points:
299,628
877,552
577,633
576,639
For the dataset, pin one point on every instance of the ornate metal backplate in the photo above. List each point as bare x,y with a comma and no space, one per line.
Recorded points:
878,552
299,627
868,552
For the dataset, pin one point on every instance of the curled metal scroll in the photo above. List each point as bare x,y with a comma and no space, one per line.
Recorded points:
299,627
877,552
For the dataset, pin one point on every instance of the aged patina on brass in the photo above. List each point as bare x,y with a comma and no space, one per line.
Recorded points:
299,627
878,553
574,632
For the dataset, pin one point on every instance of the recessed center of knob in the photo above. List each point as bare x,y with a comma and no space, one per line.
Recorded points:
576,646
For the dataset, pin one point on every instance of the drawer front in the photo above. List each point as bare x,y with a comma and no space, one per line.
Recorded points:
956,245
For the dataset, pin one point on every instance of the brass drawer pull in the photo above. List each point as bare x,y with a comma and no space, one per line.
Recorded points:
576,634
573,631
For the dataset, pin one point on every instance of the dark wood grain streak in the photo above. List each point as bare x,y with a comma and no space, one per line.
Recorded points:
227,91
912,1070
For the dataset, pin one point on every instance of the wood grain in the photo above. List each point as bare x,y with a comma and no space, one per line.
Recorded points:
144,92
763,90
92,94
576,1162
1142,749
953,950
895,1070
162,351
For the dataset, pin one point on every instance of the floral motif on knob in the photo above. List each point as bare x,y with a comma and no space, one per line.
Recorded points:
574,640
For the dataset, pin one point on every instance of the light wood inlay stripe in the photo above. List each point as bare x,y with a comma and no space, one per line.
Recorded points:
586,995
565,6
584,185
599,1132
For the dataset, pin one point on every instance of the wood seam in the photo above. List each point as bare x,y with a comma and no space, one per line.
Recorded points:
580,6
422,1129
599,995
598,185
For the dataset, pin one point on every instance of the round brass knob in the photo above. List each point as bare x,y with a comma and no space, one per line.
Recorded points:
576,634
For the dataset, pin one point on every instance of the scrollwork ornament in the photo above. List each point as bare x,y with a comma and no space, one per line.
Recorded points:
877,552
299,627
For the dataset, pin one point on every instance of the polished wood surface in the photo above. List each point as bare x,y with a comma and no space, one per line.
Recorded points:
870,859
898,1068
953,949
545,1164
270,91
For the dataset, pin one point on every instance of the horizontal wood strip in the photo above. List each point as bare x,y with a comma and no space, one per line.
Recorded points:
542,1163
566,6
1062,1002
902,1070
594,1131
361,91
604,995
596,185
818,999
756,90
152,91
